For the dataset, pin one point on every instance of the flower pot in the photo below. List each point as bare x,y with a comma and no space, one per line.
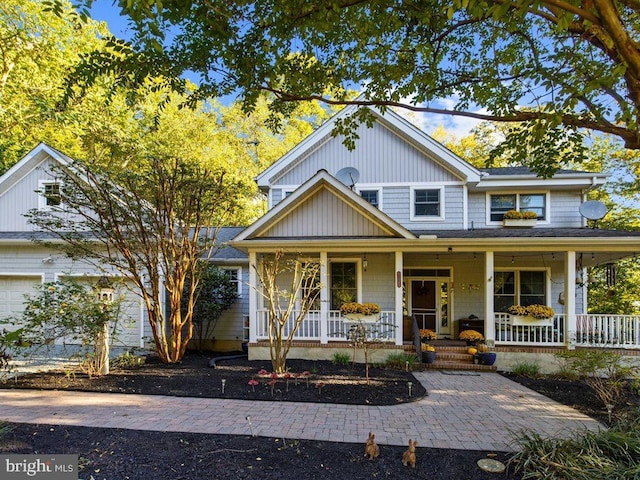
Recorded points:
486,358
428,357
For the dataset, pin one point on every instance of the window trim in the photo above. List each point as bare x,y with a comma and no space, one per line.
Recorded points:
426,218
517,271
358,262
42,198
547,204
238,271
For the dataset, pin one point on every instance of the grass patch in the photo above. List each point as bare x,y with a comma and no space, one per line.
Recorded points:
340,358
526,369
400,361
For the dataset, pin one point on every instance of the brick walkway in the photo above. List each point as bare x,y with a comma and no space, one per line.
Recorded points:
465,411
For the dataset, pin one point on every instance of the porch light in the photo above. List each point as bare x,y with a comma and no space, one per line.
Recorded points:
365,263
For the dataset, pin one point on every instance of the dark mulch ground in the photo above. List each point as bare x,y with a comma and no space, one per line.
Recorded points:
127,454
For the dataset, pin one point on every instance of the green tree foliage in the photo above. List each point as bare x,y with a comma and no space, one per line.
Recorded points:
290,288
574,66
151,222
214,294
70,311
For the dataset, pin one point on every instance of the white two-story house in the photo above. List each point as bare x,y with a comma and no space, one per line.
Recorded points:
403,222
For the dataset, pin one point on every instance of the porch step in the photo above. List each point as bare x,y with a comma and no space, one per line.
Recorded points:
458,366
455,357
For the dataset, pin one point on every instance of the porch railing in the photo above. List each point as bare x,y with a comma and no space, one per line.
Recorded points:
613,331
337,327
592,330
547,335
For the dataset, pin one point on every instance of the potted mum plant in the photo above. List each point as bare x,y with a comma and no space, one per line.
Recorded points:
470,336
428,350
360,311
515,218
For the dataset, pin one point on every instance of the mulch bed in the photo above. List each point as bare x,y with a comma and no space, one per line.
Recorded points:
130,454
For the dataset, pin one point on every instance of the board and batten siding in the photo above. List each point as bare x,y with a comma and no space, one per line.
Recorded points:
22,197
380,156
323,214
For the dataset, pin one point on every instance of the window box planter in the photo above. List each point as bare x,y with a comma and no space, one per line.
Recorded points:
519,222
528,320
360,317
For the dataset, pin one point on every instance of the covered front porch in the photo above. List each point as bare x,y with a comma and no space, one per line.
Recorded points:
451,289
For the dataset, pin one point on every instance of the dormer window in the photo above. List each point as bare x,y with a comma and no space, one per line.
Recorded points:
523,202
49,195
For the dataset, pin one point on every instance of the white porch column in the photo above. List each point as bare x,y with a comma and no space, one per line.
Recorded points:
570,324
253,297
398,289
324,298
489,320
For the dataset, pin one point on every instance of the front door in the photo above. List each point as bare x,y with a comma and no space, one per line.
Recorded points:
423,303
429,303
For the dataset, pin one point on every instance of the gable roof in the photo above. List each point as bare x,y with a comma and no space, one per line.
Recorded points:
400,126
30,161
323,182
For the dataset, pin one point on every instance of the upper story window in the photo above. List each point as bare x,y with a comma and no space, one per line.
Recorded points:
427,204
533,202
49,195
371,196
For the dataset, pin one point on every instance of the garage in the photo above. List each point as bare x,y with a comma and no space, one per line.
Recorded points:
13,289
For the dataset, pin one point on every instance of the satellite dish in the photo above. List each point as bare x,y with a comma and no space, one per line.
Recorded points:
593,210
349,176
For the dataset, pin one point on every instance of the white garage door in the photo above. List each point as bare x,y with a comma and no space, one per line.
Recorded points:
12,292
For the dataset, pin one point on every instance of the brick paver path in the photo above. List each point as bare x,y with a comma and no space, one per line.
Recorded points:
466,411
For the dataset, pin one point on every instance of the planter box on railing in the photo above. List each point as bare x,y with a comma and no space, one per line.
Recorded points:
360,317
519,222
531,321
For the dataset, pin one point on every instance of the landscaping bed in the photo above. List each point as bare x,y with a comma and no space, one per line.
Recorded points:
130,454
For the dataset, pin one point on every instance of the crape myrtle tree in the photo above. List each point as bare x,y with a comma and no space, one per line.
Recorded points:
216,292
290,287
152,223
556,67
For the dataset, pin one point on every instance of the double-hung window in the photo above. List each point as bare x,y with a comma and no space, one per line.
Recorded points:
519,287
523,202
427,204
344,283
235,277
50,196
371,196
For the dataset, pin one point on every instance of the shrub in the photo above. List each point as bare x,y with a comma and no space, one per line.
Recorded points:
601,369
399,360
526,369
341,358
605,454
127,360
